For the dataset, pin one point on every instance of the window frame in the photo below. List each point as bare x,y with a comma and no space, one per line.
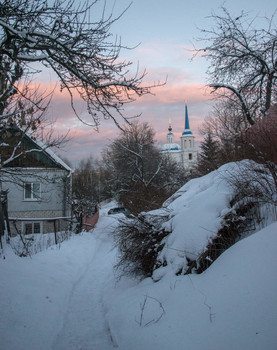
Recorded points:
35,194
24,223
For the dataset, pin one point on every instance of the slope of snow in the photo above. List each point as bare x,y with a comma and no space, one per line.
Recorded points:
196,213
69,297
230,306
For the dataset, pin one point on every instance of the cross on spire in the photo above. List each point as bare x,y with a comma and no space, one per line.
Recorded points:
169,127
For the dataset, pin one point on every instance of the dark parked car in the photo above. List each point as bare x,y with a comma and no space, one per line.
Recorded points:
119,210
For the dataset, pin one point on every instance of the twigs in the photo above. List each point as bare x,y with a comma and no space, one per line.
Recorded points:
143,322
65,37
242,58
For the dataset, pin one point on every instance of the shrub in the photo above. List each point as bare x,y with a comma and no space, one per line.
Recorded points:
254,188
234,224
139,241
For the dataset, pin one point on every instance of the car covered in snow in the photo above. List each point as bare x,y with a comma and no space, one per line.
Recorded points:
119,210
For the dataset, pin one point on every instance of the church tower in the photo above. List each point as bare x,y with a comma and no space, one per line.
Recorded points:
186,155
189,153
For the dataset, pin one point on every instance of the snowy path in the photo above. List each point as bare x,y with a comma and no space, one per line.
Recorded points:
67,298
85,326
55,300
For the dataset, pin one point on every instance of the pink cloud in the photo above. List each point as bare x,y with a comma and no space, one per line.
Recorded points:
176,93
166,102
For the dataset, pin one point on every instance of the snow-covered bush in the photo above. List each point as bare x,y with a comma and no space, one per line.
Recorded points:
28,245
139,241
199,222
211,213
254,182
235,223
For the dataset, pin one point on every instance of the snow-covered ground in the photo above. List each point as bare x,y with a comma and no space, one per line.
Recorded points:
69,297
232,305
54,300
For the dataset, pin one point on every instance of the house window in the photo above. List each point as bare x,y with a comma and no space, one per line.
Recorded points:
190,156
31,191
32,227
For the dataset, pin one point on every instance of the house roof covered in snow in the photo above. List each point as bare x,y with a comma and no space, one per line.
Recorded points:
28,151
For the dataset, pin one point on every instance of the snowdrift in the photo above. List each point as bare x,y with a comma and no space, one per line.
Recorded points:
69,296
196,214
229,306
232,305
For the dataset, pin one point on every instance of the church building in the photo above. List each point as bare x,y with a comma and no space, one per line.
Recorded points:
185,153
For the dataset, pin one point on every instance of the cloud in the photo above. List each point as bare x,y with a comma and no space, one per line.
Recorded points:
168,101
85,143
175,93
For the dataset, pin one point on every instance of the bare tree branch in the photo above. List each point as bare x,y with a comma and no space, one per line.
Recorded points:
62,36
243,60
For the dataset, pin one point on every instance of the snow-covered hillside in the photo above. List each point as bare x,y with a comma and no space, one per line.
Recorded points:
195,215
232,305
69,297
198,211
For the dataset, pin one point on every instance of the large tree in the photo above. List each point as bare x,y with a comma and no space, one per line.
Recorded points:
243,60
209,155
225,125
86,184
86,189
137,174
63,35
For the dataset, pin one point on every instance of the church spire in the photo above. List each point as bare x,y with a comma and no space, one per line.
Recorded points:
170,136
187,130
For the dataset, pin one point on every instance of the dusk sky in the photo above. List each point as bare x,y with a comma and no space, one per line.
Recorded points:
166,31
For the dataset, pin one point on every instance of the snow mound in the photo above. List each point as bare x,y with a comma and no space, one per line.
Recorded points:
229,306
196,213
69,297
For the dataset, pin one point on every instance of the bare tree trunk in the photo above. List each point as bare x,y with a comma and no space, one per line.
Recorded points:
269,91
4,225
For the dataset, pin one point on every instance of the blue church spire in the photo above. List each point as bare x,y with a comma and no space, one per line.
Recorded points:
187,128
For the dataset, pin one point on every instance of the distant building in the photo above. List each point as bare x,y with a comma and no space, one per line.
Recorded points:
185,153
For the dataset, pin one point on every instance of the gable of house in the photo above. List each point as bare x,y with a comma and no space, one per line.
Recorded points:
26,152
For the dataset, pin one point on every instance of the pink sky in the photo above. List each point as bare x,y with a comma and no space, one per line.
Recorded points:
168,102
167,32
